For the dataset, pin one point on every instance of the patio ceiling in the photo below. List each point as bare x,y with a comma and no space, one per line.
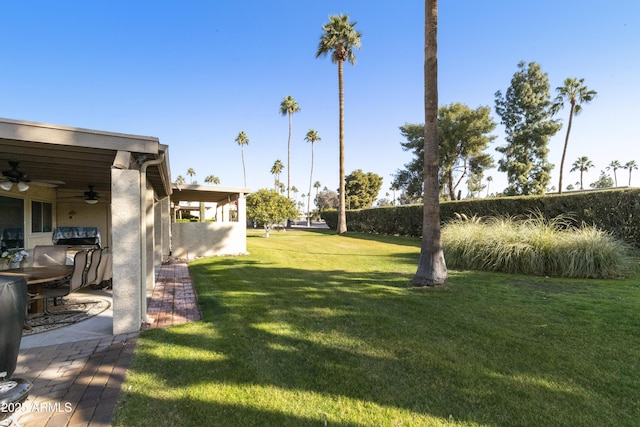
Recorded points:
74,158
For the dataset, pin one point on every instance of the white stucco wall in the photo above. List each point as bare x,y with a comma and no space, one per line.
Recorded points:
201,239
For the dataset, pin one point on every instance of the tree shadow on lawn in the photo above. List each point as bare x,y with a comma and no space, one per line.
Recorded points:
363,337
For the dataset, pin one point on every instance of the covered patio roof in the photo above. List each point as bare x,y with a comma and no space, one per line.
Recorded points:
74,158
206,193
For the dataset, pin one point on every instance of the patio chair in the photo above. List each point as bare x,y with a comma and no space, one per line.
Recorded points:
95,258
44,255
13,304
102,271
76,281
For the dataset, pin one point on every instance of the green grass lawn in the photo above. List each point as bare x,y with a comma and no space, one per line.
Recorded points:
315,329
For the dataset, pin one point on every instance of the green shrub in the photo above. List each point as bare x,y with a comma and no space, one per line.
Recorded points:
616,211
534,246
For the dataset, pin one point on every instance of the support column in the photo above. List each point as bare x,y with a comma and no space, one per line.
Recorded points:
125,232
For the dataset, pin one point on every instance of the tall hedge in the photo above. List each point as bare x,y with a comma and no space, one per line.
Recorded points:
614,210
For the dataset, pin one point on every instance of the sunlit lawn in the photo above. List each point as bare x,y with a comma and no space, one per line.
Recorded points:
315,329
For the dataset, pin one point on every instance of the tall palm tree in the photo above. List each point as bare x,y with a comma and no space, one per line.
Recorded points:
212,179
614,165
576,93
630,165
243,140
432,269
489,181
276,170
191,174
288,106
583,164
317,186
312,137
340,38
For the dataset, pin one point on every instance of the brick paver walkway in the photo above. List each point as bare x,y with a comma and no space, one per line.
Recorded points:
77,384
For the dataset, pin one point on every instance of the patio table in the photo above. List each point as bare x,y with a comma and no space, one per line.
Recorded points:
37,276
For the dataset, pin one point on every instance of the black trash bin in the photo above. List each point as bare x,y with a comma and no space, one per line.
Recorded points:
13,308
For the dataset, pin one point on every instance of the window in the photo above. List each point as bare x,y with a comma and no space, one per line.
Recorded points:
11,223
41,221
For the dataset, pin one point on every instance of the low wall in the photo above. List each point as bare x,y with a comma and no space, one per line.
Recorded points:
201,239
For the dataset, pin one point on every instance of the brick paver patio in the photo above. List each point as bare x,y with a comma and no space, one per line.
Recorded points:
77,383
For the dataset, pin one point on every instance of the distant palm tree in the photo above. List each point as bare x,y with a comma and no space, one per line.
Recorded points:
288,106
489,181
243,140
312,137
432,269
317,186
295,191
276,170
614,166
191,173
631,165
340,38
212,179
180,179
281,187
583,164
577,94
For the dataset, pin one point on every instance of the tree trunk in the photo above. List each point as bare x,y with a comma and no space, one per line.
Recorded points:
309,195
289,160
244,171
342,214
564,150
432,269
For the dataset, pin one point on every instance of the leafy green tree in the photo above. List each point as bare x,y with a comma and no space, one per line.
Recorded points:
269,208
463,134
362,189
312,137
576,93
583,164
288,106
243,140
276,170
631,165
340,38
411,178
525,111
327,199
604,181
614,166
432,269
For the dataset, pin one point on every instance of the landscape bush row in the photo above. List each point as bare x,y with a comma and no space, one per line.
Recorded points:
615,211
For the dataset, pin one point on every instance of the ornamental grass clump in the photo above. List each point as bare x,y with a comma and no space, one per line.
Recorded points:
534,245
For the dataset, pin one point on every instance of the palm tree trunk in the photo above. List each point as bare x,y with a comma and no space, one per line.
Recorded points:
342,214
564,150
432,269
289,160
244,171
309,196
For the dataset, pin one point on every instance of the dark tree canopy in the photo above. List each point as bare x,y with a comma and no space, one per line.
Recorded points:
463,134
362,189
525,111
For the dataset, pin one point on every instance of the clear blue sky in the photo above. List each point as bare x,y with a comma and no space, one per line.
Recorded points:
195,73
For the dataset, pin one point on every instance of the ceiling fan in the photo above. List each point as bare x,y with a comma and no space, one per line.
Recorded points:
91,197
20,179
